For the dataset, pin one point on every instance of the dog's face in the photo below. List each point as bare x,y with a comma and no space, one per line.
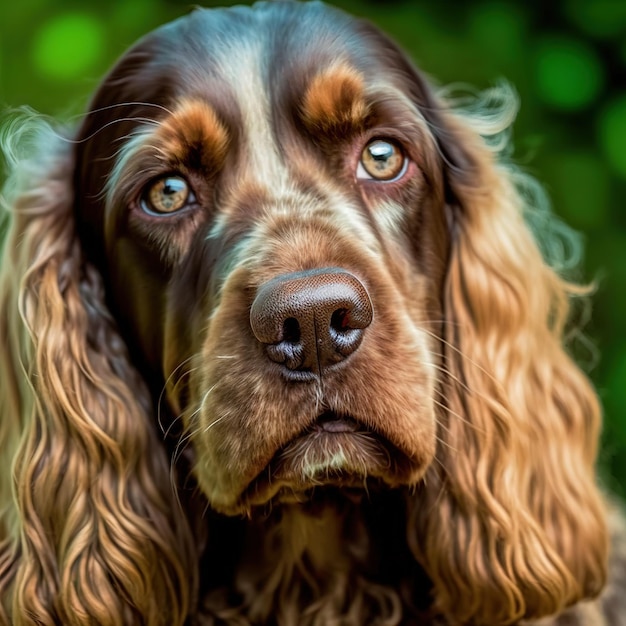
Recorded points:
281,175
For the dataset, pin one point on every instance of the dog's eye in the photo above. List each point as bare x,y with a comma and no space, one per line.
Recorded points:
381,160
166,195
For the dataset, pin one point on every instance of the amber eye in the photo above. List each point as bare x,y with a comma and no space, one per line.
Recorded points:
166,195
381,160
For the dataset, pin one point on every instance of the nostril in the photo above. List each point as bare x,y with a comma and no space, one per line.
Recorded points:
291,330
340,320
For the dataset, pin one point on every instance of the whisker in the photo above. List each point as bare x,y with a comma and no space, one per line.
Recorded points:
142,103
465,357
217,421
458,416
143,120
181,446
164,389
444,370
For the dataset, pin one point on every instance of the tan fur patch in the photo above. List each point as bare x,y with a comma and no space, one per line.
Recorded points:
335,98
194,127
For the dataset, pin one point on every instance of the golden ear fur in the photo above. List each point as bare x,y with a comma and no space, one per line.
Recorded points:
89,525
514,525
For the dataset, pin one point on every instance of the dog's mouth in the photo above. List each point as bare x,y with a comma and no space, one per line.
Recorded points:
334,451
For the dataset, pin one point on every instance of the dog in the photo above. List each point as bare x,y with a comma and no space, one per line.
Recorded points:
278,345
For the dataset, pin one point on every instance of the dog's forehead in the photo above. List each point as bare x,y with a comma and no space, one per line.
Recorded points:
281,30
283,44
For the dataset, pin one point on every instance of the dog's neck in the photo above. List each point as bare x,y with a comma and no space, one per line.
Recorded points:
315,544
335,557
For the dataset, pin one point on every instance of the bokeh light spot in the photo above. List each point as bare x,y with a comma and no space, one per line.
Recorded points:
600,18
68,46
498,28
568,73
612,134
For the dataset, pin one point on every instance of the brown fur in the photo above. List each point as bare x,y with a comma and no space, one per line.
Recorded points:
193,128
335,100
163,470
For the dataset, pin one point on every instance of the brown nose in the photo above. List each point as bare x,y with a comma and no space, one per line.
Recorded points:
311,320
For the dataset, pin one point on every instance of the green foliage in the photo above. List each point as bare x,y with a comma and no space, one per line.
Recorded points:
564,59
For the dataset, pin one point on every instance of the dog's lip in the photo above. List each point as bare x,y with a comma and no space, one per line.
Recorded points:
327,438
331,422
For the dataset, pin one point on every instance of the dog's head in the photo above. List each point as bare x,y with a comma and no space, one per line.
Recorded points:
273,235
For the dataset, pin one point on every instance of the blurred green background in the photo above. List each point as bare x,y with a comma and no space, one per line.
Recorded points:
566,58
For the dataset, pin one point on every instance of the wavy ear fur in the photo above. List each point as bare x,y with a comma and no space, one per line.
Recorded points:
90,529
514,525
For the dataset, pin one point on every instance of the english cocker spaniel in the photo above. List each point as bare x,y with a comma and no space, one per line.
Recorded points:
278,347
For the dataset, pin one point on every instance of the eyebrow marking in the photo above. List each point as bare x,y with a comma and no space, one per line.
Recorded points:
335,99
193,134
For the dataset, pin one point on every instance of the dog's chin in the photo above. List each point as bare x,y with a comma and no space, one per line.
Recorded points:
336,454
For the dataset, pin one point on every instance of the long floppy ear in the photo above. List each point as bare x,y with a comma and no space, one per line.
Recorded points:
514,523
90,529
